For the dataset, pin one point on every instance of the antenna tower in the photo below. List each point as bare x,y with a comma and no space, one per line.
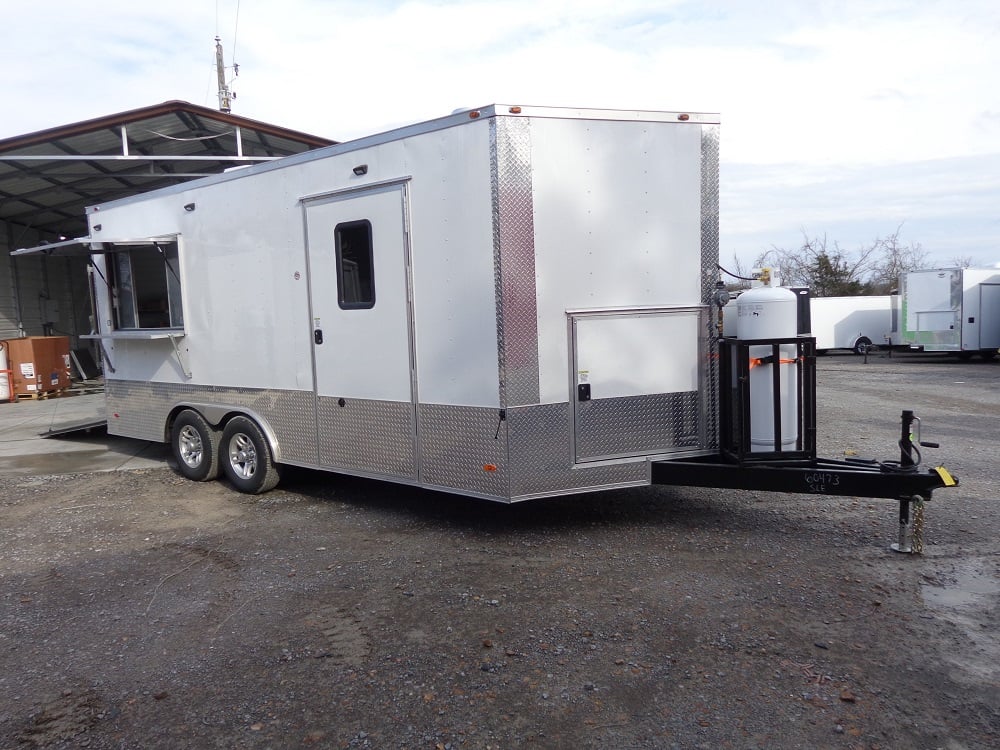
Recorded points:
225,97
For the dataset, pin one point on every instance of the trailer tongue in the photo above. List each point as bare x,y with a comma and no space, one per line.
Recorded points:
911,486
793,466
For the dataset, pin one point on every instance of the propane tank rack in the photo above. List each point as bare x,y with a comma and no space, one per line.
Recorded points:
789,463
781,357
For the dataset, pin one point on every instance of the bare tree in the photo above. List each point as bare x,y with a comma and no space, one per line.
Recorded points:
893,258
962,261
827,270
738,275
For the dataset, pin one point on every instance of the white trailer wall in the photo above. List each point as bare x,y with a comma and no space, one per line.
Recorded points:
636,202
228,250
454,277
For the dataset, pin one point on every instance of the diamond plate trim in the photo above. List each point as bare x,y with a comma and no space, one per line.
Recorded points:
709,274
514,260
637,425
540,458
457,442
138,409
368,435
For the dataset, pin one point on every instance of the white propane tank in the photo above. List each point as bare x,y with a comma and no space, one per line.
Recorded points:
729,320
4,377
770,313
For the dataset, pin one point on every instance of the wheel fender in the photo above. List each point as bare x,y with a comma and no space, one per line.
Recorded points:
218,414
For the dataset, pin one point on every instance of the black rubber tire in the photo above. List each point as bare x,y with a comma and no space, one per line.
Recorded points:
195,445
246,457
862,345
988,355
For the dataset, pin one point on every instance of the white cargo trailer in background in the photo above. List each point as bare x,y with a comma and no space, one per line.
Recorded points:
854,323
951,310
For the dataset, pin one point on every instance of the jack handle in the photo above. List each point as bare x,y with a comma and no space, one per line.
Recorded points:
908,444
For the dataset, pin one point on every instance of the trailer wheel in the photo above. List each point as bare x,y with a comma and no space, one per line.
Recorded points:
195,444
988,355
246,457
862,344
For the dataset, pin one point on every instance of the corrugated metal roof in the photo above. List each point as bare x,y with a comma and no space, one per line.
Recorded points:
49,177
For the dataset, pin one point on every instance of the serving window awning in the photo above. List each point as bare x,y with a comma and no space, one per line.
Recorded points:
77,247
87,246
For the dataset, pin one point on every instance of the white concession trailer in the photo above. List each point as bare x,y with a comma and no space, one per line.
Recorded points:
951,310
508,302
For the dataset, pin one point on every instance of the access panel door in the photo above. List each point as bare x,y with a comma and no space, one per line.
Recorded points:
989,317
362,331
637,380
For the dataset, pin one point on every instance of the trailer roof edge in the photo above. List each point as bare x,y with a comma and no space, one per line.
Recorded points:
455,119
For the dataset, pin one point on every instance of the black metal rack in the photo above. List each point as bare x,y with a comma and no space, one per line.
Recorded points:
735,364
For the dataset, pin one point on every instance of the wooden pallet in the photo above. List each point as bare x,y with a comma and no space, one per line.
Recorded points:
77,389
41,395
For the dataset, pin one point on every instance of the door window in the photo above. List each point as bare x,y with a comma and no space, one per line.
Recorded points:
355,265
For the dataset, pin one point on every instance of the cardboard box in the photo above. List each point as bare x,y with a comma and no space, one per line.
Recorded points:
39,364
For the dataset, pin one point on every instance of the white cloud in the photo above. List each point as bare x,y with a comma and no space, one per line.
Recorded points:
948,206
858,82
836,114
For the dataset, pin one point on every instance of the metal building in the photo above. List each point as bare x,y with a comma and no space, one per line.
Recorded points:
49,177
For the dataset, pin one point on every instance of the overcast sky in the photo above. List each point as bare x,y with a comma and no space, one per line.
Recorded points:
840,118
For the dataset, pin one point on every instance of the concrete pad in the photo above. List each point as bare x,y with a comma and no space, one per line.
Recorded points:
23,450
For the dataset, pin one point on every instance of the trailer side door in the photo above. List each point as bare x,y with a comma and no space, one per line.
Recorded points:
362,338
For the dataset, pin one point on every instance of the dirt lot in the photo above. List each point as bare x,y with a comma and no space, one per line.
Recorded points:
139,610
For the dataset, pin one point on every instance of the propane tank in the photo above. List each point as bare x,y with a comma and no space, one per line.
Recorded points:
770,313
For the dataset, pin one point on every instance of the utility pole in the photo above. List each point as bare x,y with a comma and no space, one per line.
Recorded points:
225,98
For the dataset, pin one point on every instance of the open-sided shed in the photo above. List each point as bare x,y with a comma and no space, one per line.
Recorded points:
49,177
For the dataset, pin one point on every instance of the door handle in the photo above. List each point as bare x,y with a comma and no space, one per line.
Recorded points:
318,336
583,392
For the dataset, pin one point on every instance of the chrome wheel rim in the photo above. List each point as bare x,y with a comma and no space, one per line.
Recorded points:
190,446
242,456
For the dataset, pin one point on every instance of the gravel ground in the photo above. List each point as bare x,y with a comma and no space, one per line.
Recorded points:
139,610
